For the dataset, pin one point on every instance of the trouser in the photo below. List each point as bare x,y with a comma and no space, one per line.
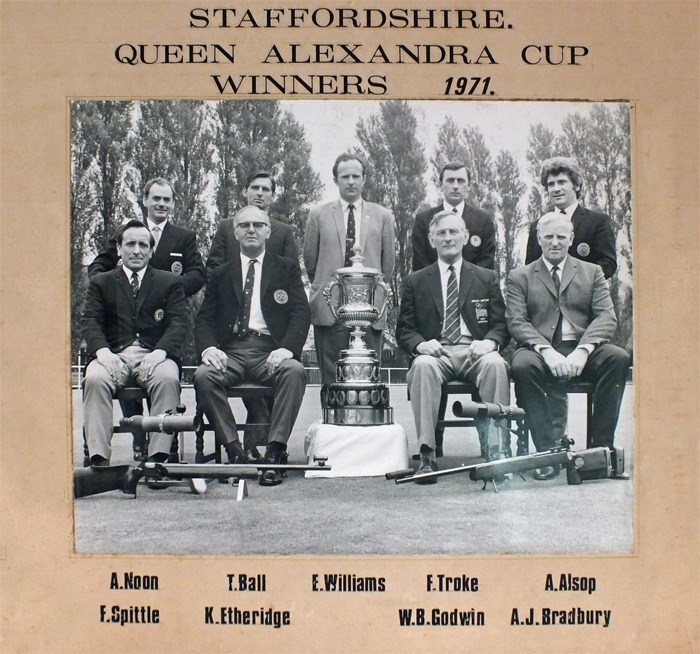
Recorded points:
163,388
246,362
607,367
427,375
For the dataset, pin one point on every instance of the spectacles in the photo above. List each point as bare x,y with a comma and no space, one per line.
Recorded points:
256,226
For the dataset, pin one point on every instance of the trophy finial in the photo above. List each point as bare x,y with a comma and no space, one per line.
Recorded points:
358,258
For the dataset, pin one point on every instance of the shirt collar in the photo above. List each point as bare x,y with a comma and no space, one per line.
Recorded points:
357,204
245,261
560,265
569,211
444,266
129,273
448,207
151,224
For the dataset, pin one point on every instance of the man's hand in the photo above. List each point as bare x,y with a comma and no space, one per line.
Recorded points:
558,364
478,348
276,357
432,348
111,362
213,356
577,360
150,361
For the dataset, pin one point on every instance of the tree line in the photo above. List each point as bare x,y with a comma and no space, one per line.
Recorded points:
207,149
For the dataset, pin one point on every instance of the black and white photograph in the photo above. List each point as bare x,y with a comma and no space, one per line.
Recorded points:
435,356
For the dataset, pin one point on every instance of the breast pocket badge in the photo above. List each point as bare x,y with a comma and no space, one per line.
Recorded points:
583,249
281,297
481,308
159,315
475,241
176,267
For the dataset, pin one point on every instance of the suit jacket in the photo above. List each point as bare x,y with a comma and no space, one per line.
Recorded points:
225,247
282,300
479,250
176,252
584,300
423,307
324,250
113,318
594,240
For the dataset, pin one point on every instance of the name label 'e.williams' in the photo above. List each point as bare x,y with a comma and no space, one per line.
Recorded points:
345,583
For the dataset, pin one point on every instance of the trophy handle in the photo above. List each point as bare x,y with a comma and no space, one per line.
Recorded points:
327,294
387,297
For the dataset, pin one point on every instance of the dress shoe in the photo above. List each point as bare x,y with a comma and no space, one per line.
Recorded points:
274,453
546,473
139,453
253,454
235,453
97,461
427,465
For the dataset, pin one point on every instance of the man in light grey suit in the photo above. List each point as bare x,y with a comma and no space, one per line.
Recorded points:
331,232
560,313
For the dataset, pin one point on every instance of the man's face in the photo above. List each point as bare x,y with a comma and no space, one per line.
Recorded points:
259,193
455,184
448,238
561,190
159,202
555,238
252,230
350,180
135,249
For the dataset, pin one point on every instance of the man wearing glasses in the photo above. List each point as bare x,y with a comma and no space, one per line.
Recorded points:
252,327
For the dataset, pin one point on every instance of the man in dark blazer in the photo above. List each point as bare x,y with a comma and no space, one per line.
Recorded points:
560,313
176,247
594,241
134,325
253,330
259,192
332,231
480,248
452,322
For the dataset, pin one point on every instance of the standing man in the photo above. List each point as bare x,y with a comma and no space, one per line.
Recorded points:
560,313
134,325
331,233
253,330
259,192
480,248
175,251
452,322
594,241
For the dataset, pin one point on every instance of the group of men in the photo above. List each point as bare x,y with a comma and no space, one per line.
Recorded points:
255,316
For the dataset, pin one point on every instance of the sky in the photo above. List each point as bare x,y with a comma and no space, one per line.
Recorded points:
330,127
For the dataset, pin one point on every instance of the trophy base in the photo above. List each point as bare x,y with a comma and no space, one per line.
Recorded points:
362,416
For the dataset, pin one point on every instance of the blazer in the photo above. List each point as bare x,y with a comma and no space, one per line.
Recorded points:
282,300
584,300
423,307
324,250
113,318
480,249
225,246
176,252
594,240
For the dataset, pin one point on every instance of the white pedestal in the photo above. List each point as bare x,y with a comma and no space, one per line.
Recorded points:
354,451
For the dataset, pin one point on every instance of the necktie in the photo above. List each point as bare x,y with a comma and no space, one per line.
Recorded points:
556,339
244,315
135,283
454,209
157,233
562,211
452,330
350,236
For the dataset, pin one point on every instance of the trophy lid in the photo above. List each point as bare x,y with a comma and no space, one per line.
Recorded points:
357,268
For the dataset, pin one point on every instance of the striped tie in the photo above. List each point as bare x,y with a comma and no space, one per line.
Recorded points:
452,331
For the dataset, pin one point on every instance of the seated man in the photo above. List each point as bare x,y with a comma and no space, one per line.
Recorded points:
452,321
134,325
253,330
561,315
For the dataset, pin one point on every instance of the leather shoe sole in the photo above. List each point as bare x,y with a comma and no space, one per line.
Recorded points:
546,473
270,478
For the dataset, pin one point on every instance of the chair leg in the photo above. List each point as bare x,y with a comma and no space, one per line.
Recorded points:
440,429
199,438
174,456
589,416
86,452
523,438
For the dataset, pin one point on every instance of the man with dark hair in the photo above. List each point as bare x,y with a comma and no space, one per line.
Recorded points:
560,313
175,251
134,325
253,330
332,231
480,248
452,322
259,192
594,241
